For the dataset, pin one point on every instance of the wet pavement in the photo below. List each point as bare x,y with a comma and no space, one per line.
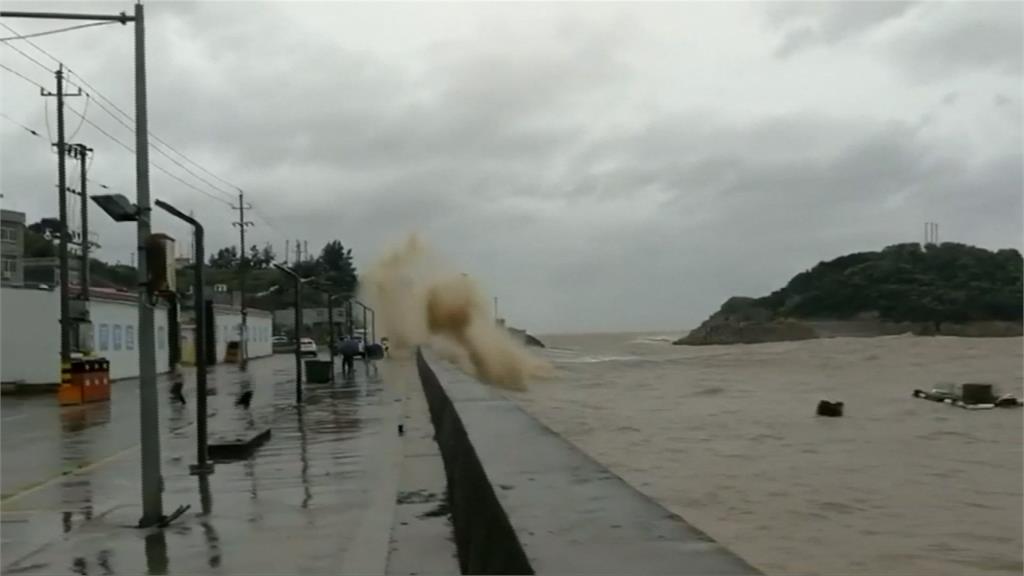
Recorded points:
336,489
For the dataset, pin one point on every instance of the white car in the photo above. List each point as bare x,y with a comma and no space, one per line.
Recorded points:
307,347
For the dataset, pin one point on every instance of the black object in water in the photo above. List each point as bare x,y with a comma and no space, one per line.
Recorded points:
830,409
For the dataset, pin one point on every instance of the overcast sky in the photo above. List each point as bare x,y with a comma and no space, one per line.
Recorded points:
597,167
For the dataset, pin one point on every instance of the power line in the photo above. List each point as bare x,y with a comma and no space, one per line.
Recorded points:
22,76
30,43
132,151
22,126
151,163
22,52
84,113
270,223
126,115
39,135
57,31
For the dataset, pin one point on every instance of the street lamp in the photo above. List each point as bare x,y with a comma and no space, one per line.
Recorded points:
330,321
298,328
202,465
373,319
149,413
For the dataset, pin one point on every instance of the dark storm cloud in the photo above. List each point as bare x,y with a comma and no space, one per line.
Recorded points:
829,22
621,167
934,39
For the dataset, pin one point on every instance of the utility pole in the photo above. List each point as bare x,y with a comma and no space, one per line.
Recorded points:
149,413
62,195
305,249
243,338
286,250
149,416
81,153
298,251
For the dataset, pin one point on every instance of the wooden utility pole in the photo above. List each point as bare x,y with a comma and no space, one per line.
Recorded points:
243,337
62,195
81,153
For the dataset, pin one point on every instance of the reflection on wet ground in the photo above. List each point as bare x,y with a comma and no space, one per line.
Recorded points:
303,502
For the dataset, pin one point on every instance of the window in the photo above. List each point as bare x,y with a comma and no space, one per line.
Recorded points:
8,235
117,336
161,338
129,337
10,267
104,336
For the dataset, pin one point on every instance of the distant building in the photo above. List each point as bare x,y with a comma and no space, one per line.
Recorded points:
313,319
12,245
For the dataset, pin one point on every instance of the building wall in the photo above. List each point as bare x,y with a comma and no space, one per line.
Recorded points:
116,336
228,323
12,245
29,335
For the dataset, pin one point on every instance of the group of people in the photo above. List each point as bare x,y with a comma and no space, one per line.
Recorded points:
350,347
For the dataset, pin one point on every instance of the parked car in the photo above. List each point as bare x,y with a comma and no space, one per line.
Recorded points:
307,347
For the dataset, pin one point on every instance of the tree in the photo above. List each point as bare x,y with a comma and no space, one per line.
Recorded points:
267,256
337,268
949,282
38,246
253,260
225,258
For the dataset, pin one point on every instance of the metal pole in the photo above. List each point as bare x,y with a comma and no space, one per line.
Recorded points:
85,279
330,331
243,265
349,318
122,17
149,414
364,330
201,445
298,346
62,194
373,323
202,465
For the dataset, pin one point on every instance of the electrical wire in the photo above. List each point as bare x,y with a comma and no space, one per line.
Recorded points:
46,114
56,31
84,113
131,150
22,126
39,135
22,76
130,119
22,52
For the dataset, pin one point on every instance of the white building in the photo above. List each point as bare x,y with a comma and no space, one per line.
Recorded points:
30,333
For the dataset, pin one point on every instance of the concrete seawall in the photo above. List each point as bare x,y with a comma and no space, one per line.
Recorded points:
524,500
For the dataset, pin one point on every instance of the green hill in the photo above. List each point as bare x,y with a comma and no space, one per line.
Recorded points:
906,284
938,283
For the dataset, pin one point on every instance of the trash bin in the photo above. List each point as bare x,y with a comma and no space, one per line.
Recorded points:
318,371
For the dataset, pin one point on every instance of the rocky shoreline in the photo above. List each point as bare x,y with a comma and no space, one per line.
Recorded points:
741,321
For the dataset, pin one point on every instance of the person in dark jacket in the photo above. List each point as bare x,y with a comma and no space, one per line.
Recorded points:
349,349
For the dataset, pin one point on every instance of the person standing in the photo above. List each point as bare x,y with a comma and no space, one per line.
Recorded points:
349,349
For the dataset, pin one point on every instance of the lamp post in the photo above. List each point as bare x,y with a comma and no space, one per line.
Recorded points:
149,413
202,465
298,329
330,322
373,319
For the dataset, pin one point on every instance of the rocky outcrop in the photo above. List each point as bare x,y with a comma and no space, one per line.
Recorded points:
741,321
748,333
525,337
